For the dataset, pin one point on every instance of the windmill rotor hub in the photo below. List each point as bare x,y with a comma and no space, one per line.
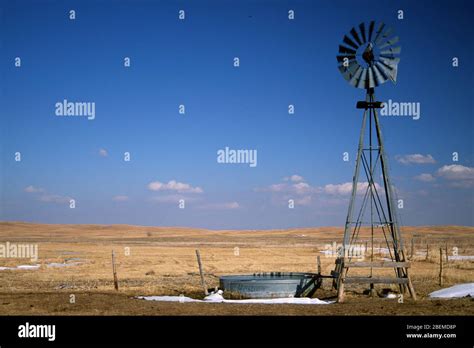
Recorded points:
368,54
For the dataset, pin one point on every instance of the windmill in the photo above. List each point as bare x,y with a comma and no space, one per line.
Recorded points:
368,57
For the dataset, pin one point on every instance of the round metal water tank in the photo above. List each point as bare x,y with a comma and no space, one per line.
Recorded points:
269,285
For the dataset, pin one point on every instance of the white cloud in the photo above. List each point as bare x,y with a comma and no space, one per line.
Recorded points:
294,178
338,189
277,187
54,199
298,188
120,198
232,205
458,175
425,177
32,189
415,159
346,188
305,194
44,196
173,185
456,172
103,153
302,188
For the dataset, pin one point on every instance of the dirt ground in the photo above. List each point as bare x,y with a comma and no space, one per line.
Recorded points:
76,260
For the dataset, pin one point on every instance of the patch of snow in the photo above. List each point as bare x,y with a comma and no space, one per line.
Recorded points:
460,290
391,295
461,257
328,252
37,266
382,250
24,267
217,298
6,268
168,298
28,267
56,264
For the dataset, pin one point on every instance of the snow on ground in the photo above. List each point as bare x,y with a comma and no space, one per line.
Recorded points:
37,266
382,250
217,298
328,252
390,295
460,290
56,264
28,267
461,257
168,298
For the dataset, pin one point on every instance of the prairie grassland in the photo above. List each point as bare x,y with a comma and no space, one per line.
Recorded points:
76,259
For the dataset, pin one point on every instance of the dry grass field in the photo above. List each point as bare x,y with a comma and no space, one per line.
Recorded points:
162,261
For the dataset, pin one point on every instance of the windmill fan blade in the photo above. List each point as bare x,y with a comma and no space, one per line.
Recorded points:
350,42
362,31
380,76
393,74
390,42
385,35
371,29
389,60
389,69
346,50
362,79
392,50
356,36
348,57
353,81
349,72
371,81
379,31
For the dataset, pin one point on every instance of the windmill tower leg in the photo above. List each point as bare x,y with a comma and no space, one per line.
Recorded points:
340,271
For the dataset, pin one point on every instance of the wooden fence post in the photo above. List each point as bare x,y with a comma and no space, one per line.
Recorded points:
319,264
427,251
412,249
447,257
114,270
440,266
203,283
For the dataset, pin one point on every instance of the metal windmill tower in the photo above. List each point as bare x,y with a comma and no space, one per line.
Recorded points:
368,57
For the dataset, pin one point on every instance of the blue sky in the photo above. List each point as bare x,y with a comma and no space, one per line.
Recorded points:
190,62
